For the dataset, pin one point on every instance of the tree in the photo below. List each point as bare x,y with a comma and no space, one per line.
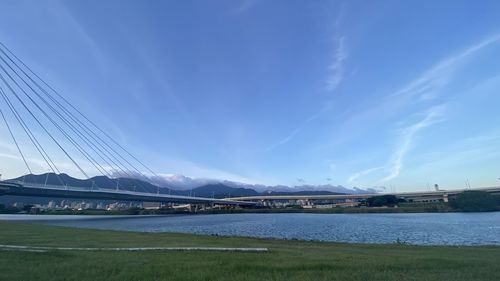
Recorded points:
8,210
497,197
474,201
382,200
27,208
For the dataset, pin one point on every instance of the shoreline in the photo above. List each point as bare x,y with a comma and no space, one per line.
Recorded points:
343,210
285,259
31,224
157,225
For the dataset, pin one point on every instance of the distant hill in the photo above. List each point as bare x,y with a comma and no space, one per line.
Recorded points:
181,182
304,192
221,191
99,182
217,190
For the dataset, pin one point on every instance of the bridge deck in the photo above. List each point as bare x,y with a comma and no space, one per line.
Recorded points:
495,190
17,189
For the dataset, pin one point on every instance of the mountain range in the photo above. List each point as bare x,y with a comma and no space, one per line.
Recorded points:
182,185
181,182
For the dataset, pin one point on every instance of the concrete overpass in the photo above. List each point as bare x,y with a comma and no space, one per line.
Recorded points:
419,196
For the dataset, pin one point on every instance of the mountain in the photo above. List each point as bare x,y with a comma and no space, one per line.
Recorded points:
217,190
314,192
98,182
328,188
222,191
181,182
206,188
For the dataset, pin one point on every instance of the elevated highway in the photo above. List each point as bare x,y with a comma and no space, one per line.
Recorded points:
417,196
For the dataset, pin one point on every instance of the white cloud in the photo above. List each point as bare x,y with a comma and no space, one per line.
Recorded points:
66,18
197,171
335,76
336,68
425,87
340,54
366,172
297,130
406,139
477,148
284,140
244,6
433,116
428,84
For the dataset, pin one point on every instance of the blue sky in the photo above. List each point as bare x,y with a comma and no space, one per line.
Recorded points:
398,94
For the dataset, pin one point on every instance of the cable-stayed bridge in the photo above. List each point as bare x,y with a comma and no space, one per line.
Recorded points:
48,133
30,189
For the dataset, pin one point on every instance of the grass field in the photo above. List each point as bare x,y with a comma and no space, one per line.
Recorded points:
286,260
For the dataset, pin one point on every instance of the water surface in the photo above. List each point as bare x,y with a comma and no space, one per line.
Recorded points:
419,229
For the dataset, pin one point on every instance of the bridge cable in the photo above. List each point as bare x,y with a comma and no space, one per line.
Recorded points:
72,127
30,134
78,111
87,155
32,137
15,141
76,120
39,122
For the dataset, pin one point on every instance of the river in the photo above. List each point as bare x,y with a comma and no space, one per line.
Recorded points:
418,229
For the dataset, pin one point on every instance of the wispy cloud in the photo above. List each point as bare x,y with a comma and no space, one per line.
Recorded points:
200,171
366,172
37,165
463,152
335,76
244,6
284,140
336,68
428,84
433,116
61,10
425,87
406,136
299,128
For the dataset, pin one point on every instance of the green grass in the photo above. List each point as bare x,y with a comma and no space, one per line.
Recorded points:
287,260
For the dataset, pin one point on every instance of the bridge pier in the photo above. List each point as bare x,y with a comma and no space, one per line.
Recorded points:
445,197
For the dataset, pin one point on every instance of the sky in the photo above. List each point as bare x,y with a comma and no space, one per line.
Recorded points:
394,94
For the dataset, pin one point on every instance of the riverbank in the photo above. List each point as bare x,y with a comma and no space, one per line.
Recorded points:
286,260
404,208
